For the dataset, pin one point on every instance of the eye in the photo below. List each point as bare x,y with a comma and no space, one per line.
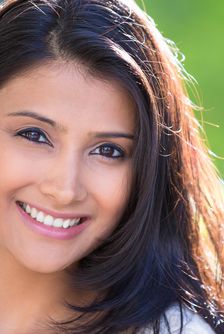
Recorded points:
110,151
34,135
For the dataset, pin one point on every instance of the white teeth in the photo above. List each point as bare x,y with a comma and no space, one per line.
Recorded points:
40,217
66,223
33,213
49,220
58,222
74,221
28,209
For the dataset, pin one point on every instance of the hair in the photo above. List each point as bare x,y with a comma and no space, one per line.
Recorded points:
167,247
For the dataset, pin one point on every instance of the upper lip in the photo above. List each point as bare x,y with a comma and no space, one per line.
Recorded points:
56,214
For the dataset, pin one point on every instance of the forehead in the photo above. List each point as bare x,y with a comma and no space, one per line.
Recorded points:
59,90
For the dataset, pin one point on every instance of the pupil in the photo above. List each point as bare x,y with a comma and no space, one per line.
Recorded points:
33,135
107,150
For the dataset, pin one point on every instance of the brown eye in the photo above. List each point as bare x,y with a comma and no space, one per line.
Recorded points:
34,135
110,151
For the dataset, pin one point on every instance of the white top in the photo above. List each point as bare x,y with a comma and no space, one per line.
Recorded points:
192,323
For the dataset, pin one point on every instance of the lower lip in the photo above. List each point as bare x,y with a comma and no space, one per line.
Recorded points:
50,231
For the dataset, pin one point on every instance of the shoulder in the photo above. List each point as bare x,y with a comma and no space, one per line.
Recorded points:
192,323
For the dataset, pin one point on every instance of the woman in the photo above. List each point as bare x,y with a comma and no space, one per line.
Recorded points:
111,211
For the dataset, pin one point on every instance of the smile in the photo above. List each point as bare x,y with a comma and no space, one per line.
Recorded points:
49,220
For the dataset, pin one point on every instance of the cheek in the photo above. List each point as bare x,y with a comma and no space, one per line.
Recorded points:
16,170
112,192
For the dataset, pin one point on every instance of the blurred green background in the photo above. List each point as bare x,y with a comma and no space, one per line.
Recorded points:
197,28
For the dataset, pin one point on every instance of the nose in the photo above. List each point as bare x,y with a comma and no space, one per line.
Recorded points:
63,182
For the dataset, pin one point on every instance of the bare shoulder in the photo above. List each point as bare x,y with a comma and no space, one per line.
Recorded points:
192,323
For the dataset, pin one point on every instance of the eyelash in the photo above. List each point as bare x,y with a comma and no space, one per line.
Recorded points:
114,152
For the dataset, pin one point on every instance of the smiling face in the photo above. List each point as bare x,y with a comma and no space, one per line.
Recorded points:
66,147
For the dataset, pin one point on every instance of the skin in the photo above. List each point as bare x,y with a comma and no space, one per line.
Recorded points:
67,173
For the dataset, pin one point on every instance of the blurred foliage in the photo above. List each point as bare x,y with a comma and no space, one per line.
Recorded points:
197,28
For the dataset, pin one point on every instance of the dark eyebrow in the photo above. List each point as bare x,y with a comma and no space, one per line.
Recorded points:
38,117
114,135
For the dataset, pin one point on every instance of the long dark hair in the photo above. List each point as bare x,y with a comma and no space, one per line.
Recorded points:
160,253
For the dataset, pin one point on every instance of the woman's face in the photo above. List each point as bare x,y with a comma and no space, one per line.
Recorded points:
65,154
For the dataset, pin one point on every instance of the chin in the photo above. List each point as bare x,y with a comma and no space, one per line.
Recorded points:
43,265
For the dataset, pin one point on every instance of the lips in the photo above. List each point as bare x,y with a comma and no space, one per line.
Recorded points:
45,218
56,227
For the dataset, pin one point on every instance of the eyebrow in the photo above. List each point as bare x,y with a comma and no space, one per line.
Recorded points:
38,117
113,135
49,121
